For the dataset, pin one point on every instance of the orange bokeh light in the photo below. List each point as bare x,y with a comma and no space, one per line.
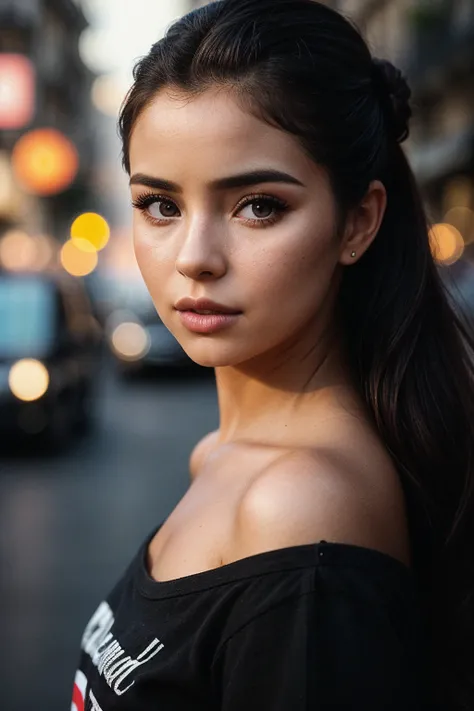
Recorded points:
45,161
77,262
447,244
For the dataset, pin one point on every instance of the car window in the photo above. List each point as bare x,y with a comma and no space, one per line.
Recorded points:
28,313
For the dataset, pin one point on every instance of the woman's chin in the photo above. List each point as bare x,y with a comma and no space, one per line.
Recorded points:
214,360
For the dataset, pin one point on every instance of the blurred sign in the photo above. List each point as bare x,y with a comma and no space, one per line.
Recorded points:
17,91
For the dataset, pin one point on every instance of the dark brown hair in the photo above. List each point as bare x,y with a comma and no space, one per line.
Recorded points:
305,68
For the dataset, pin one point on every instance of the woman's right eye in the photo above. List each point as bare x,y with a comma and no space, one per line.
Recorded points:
157,207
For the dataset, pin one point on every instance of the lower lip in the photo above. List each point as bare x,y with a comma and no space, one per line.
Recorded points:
207,323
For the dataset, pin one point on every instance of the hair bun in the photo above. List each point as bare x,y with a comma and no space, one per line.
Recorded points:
392,85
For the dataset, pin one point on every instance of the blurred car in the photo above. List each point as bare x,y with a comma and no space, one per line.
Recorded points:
49,355
140,342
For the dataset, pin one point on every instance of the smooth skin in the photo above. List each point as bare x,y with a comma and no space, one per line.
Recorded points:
295,458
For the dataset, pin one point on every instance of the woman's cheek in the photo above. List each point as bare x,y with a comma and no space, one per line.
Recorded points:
147,264
144,238
148,251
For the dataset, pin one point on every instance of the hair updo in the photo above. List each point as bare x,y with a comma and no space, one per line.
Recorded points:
393,90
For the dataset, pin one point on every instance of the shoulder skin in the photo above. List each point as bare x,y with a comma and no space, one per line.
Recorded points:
304,497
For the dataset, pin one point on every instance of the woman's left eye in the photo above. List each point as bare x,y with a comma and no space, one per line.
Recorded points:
264,209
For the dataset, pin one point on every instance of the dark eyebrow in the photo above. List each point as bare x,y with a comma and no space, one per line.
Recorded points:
243,180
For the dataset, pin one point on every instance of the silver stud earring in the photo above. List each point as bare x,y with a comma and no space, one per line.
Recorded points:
353,254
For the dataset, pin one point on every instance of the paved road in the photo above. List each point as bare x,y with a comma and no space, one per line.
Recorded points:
70,524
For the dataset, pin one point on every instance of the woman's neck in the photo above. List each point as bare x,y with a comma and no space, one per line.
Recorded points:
279,399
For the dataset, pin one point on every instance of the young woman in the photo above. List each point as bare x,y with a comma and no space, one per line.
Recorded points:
323,555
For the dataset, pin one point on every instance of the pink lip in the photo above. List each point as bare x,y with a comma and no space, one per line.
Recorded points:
206,323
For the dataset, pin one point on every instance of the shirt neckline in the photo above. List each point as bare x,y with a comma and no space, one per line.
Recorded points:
321,554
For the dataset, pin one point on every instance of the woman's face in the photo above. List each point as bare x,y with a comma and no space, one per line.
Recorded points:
266,248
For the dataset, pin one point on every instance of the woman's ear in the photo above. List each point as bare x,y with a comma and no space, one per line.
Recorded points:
363,223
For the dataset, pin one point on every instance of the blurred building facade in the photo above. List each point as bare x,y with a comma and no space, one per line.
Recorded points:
46,33
432,42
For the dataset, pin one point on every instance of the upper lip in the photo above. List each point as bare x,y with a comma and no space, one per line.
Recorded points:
188,304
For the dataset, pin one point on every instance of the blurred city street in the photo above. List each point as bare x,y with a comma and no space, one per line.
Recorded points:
70,523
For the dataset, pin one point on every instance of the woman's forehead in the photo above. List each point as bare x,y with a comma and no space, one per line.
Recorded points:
212,130
209,118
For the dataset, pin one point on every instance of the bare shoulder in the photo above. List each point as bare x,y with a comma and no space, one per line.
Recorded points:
307,496
200,451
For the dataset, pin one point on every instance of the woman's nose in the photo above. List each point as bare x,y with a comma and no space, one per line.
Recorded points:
201,254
